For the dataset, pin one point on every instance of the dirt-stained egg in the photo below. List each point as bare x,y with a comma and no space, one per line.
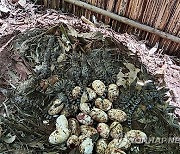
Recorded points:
91,94
103,130
76,92
74,126
88,95
114,151
122,143
116,130
101,146
117,115
136,136
88,130
73,141
84,119
113,92
99,87
84,107
86,147
103,104
59,136
57,106
99,115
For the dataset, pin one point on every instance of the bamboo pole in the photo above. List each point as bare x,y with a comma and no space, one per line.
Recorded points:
125,20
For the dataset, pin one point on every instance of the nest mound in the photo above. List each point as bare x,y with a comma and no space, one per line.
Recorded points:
63,58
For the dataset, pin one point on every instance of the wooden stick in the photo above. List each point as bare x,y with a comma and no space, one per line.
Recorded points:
125,20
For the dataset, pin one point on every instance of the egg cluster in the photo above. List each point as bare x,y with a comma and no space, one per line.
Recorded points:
96,116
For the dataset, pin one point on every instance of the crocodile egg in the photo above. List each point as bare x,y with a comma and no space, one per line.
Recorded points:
122,143
114,151
74,126
61,122
99,87
91,94
84,107
101,146
136,136
59,136
88,95
117,115
73,141
103,130
88,130
86,147
84,119
76,92
103,104
113,92
98,115
56,107
116,130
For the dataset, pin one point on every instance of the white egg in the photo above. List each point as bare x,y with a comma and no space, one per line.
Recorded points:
61,122
117,115
86,147
113,92
101,146
136,136
99,87
73,141
103,104
56,107
59,136
116,130
84,119
98,115
103,130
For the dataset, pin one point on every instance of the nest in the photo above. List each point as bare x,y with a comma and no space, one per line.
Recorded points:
63,58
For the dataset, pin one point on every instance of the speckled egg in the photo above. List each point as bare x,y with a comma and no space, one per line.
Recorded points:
88,95
84,107
99,115
74,126
59,136
116,130
56,107
114,151
73,141
103,104
99,87
136,136
84,119
122,143
113,92
88,130
86,147
103,130
117,115
101,146
76,92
